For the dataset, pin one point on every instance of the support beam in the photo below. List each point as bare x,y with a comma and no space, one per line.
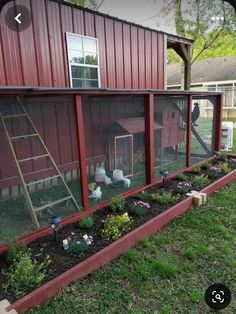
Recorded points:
149,138
218,120
82,155
189,133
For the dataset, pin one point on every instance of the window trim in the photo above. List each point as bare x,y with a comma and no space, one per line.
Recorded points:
87,65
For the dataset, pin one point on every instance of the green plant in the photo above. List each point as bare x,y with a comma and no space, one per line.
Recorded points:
117,204
199,181
196,170
164,198
139,208
115,226
214,172
224,167
183,187
206,165
144,195
181,177
223,156
77,246
25,273
16,249
86,222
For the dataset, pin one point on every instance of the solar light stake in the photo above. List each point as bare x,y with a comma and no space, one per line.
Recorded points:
54,222
164,174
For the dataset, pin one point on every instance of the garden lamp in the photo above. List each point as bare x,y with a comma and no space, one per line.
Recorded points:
54,222
164,174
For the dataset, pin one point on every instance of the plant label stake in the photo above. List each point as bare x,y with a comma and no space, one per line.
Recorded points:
55,221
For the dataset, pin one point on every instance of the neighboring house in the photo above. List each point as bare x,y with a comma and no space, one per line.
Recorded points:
217,74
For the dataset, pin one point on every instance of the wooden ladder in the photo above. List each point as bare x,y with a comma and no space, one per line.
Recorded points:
31,208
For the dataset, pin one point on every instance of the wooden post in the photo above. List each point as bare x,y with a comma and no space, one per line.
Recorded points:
149,138
218,120
189,131
82,154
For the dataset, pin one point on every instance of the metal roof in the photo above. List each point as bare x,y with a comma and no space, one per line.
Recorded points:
208,70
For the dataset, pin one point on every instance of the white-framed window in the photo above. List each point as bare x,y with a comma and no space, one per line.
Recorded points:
83,61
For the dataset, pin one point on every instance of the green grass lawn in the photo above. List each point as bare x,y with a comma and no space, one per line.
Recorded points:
168,272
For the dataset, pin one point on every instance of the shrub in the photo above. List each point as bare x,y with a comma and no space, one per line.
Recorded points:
117,204
25,273
224,167
207,165
214,172
199,181
115,226
139,208
181,177
86,222
196,170
15,250
144,195
77,246
183,187
164,198
223,156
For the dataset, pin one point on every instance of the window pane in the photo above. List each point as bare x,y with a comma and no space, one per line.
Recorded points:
91,83
78,83
90,58
75,42
90,45
91,73
76,57
77,72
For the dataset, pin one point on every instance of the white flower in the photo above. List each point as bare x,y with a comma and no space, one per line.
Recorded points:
65,244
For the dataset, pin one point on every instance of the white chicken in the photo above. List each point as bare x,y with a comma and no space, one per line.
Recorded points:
126,182
97,193
107,180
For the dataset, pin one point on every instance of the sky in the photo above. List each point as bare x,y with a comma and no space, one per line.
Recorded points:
138,11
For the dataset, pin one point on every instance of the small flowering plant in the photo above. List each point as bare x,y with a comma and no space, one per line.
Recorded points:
214,172
77,245
115,226
139,208
183,187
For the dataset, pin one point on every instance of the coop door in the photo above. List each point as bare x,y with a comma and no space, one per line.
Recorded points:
124,154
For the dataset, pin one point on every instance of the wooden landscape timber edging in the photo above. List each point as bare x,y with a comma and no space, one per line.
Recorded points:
112,251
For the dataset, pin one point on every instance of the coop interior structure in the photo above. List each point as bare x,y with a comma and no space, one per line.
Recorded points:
84,106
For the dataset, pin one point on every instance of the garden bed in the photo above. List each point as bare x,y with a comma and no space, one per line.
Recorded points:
66,266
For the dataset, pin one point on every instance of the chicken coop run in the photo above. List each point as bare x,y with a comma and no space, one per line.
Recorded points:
61,148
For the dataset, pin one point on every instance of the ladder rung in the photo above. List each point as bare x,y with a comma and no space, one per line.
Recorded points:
33,158
52,203
23,136
14,116
42,180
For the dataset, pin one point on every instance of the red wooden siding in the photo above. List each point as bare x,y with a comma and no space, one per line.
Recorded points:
130,56
54,118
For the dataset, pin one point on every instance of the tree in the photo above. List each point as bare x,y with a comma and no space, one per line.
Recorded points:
201,20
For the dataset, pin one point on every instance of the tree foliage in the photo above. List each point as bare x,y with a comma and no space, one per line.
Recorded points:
92,4
193,19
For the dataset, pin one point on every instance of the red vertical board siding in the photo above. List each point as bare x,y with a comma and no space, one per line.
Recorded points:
154,60
89,24
11,52
66,26
127,56
111,73
55,44
100,33
141,58
2,62
27,52
134,57
78,21
119,54
160,61
148,59
42,48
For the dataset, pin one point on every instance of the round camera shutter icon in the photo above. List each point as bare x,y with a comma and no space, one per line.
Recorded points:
218,296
